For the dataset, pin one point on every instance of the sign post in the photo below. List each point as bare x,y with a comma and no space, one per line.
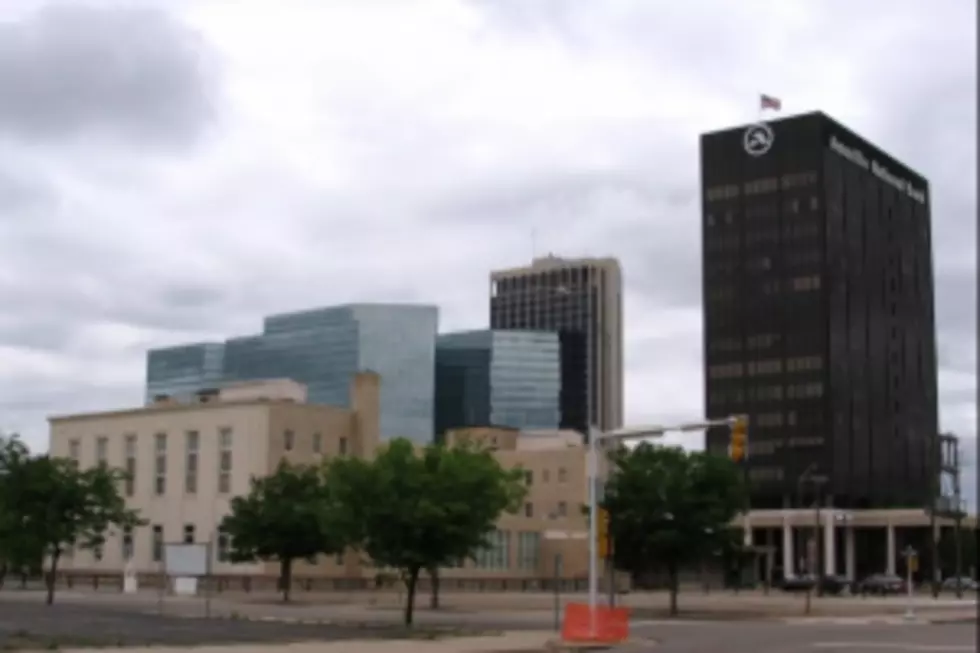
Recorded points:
911,564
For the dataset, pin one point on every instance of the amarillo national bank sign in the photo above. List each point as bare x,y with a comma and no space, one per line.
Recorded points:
857,157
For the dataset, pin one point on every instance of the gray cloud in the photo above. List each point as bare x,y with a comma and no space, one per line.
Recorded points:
70,69
342,173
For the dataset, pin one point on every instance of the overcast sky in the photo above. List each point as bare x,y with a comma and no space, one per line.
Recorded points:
171,171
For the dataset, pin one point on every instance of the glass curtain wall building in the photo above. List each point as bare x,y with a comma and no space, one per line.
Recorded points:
499,378
184,370
323,348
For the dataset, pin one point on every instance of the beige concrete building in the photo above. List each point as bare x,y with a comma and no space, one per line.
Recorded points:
551,527
187,460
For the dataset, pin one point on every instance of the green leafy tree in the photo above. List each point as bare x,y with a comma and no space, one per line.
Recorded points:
15,550
420,510
287,516
62,507
669,508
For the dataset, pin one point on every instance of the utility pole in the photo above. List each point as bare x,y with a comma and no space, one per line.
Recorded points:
935,471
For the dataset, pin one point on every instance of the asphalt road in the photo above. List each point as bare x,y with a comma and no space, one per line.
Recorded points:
78,623
84,626
759,637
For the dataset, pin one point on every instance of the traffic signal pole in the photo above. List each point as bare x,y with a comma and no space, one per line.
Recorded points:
597,438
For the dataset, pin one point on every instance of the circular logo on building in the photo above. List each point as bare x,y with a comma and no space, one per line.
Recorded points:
758,139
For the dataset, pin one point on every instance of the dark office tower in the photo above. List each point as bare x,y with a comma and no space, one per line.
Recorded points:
581,300
818,312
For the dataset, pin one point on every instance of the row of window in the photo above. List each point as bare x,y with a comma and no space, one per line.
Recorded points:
766,393
127,543
765,366
561,510
761,186
770,447
496,555
316,442
561,476
725,293
192,450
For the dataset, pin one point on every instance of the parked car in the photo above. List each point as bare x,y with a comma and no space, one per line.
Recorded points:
966,583
836,585
881,585
798,583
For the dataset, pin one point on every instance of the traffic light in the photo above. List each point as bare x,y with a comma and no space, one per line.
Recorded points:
602,534
739,443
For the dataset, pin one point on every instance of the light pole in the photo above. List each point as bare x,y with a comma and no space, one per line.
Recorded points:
596,437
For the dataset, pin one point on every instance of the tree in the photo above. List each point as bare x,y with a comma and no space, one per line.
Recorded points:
287,516
14,547
421,510
669,508
60,507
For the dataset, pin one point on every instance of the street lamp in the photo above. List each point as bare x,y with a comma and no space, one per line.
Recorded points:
592,462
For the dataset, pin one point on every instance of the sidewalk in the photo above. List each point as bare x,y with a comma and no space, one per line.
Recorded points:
521,642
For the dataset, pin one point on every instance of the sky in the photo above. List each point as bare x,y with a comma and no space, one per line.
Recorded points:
173,170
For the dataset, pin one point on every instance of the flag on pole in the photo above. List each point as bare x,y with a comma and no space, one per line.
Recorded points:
769,102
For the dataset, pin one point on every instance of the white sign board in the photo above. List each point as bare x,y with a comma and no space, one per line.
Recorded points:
186,560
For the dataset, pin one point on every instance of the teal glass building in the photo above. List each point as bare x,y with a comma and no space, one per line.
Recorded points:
322,348
498,378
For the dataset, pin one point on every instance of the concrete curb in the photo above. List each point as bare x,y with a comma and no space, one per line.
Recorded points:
558,646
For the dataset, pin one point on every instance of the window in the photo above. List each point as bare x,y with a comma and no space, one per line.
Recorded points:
224,461
762,340
157,543
130,452
725,371
287,440
529,477
766,473
192,446
317,442
102,450
805,390
562,509
764,420
805,442
562,475
127,543
342,446
189,533
528,550
496,555
800,284
804,364
770,366
545,475
224,546
160,464
529,509
75,451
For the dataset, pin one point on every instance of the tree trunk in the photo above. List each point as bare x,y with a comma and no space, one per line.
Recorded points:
411,580
3,574
285,578
673,582
434,596
50,580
